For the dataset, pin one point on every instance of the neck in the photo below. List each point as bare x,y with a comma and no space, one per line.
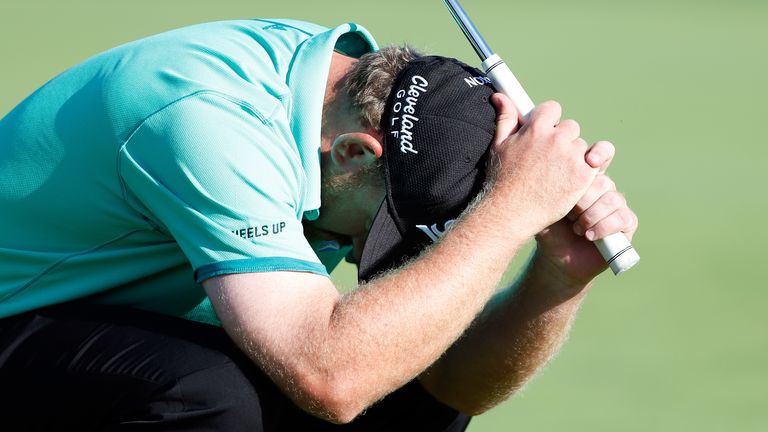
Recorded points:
340,66
336,106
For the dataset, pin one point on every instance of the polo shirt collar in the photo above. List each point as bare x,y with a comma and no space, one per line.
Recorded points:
306,81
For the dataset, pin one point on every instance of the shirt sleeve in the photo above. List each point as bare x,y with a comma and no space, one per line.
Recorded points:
224,182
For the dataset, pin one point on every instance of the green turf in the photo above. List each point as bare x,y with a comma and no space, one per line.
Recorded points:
680,342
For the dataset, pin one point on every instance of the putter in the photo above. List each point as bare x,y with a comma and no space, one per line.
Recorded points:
615,248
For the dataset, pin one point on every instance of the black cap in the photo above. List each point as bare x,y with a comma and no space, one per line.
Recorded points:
438,125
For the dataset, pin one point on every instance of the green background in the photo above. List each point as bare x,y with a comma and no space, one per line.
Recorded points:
677,344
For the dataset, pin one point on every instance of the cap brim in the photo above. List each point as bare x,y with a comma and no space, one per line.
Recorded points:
385,248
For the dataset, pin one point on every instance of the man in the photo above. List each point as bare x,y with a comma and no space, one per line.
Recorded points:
201,151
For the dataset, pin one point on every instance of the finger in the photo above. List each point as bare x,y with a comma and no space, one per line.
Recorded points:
581,144
569,129
600,186
546,115
506,116
606,204
622,220
600,155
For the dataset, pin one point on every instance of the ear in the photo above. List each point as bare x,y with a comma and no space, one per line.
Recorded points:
351,151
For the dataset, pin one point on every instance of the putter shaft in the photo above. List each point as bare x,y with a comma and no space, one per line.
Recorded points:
470,31
615,248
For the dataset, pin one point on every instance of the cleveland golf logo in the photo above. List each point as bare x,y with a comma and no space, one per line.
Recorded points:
433,232
405,135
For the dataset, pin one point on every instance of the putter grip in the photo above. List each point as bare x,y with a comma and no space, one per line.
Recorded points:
615,248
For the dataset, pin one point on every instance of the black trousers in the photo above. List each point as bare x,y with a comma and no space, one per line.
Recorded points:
106,368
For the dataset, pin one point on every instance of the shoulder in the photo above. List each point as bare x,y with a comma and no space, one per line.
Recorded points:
208,133
245,60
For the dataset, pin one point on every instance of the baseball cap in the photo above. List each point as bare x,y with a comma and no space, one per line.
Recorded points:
438,126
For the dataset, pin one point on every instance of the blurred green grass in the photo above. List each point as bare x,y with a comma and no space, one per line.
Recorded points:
680,342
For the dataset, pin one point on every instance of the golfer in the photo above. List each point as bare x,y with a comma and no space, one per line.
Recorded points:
171,209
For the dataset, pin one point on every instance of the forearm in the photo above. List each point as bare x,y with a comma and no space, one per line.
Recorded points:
338,355
387,332
517,333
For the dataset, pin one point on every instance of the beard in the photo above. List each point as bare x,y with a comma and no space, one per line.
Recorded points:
334,185
347,199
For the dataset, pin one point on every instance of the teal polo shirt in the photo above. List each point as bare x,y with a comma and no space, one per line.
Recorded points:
192,152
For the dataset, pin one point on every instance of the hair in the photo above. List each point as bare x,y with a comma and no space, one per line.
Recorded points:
369,82
366,87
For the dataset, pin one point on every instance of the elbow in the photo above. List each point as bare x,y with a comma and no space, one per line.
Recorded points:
470,403
474,410
335,400
469,409
340,410
344,415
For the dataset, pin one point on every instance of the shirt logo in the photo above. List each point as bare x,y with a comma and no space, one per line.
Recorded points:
328,246
433,232
276,27
252,232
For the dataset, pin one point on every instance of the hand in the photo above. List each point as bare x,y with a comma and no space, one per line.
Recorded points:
567,244
539,171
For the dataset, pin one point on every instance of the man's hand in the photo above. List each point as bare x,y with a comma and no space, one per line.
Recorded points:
547,164
567,244
524,325
541,165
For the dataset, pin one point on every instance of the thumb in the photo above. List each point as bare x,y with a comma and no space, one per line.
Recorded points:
506,117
